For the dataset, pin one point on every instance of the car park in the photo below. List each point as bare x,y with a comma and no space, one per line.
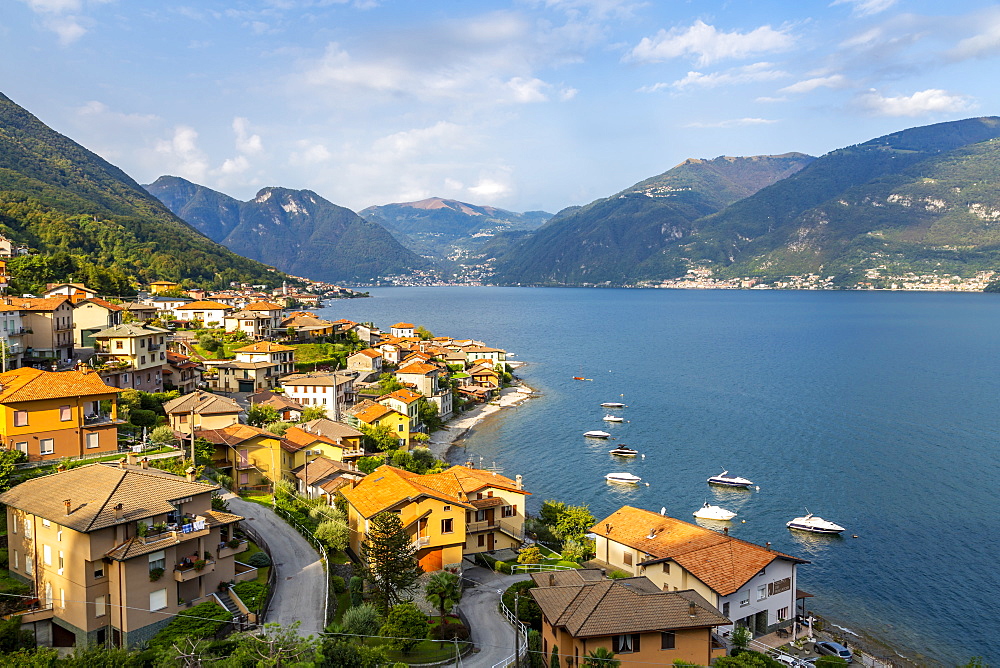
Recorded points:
831,648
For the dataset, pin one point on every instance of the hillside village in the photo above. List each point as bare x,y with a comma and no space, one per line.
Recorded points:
143,436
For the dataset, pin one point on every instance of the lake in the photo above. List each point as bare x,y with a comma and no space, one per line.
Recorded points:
875,410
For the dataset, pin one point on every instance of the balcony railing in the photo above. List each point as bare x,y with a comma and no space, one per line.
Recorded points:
97,418
20,332
485,525
185,573
226,551
512,530
353,453
421,541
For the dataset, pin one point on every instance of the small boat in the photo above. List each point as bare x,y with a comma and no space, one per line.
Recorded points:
623,478
729,480
623,451
717,513
814,524
596,433
613,418
613,404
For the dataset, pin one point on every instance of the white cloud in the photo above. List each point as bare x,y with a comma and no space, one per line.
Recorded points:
489,190
809,85
984,44
736,75
234,166
182,156
708,44
98,112
528,90
246,143
63,17
310,153
731,123
771,100
930,101
865,7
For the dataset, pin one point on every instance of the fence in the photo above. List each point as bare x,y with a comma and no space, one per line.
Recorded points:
328,610
521,630
272,576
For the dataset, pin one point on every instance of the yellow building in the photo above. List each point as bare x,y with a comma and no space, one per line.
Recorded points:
113,552
50,415
321,439
378,415
159,287
250,455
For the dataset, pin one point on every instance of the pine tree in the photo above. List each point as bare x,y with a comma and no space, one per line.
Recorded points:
388,561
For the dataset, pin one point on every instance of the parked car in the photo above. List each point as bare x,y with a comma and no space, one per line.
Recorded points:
834,649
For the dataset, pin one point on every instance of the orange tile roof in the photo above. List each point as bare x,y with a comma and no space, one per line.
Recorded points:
419,369
28,384
39,303
263,306
722,562
101,302
298,438
402,325
375,412
472,480
203,305
388,486
264,347
234,434
406,396
369,352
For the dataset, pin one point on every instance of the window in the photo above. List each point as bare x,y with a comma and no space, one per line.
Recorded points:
27,528
62,562
16,559
62,598
667,640
782,614
93,440
627,558
27,565
142,343
46,523
100,606
22,446
47,555
124,377
119,345
625,644
482,540
761,593
489,494
508,511
725,609
745,598
20,418
157,599
183,419
666,567
480,515
157,560
142,359
400,427
65,413
98,570
47,446
447,525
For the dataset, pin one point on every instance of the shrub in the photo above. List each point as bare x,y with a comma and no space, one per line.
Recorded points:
338,584
527,610
162,435
457,631
361,620
405,625
4,558
252,593
618,575
259,560
202,621
155,574
530,555
142,418
357,588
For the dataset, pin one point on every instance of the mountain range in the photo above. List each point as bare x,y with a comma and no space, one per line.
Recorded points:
86,220
296,231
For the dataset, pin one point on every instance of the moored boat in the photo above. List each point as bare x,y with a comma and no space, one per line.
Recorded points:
729,480
814,524
613,404
613,418
596,433
623,451
717,513
623,478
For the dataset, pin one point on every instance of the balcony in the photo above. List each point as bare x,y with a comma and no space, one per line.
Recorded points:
486,525
190,572
95,419
153,347
20,332
192,527
353,453
421,541
226,551
512,530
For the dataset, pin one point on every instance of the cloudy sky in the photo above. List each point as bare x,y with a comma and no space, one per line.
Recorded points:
526,104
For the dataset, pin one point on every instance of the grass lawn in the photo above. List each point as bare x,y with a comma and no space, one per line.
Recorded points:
343,603
427,651
318,352
340,557
242,557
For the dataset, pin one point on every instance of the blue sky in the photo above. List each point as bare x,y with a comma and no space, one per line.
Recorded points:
529,104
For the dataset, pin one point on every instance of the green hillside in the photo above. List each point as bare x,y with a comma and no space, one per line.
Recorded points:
89,221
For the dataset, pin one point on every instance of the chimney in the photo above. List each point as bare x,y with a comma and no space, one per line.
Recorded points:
144,462
692,609
119,511
130,459
767,545
725,530
519,480
68,503
190,474
122,463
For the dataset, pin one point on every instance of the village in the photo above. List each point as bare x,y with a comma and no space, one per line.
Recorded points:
168,456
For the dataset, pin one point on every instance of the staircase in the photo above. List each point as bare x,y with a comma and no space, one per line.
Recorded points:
228,602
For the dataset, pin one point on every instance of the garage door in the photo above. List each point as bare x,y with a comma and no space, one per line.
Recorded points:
432,561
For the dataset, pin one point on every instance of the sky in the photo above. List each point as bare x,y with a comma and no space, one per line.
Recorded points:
524,105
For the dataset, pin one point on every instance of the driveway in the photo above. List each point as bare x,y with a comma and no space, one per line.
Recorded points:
492,634
300,583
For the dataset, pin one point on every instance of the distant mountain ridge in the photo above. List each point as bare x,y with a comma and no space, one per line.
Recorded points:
89,221
622,238
295,230
449,231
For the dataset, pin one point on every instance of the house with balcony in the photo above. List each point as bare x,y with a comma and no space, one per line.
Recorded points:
333,440
252,456
201,410
305,326
378,415
139,312
132,356
12,332
753,585
254,325
320,477
631,617
51,415
422,376
182,373
333,390
91,316
48,327
113,552
272,313
209,313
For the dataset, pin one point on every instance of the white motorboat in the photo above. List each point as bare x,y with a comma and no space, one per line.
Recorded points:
613,404
613,418
814,524
623,478
717,513
596,433
623,451
729,480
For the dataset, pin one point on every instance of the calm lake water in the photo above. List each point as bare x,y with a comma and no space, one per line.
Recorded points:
877,411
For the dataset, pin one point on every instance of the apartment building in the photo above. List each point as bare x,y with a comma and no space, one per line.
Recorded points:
132,356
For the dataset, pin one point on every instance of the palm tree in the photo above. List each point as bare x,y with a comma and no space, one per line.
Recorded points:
443,590
601,657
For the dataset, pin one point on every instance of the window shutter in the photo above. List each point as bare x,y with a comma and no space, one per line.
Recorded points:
635,642
616,645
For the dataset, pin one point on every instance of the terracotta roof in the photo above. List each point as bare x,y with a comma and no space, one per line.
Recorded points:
330,429
29,384
418,369
491,502
39,303
95,490
202,403
247,315
327,474
100,302
203,304
298,438
326,378
402,325
375,412
264,347
722,562
473,480
406,396
279,401
388,486
263,306
234,434
590,609
368,352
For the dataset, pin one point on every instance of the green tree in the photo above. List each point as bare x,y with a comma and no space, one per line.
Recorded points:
740,637
424,333
551,511
162,435
274,646
8,458
278,428
334,533
362,620
536,659
356,586
142,418
406,625
12,638
388,560
379,437
530,555
259,415
342,652
312,413
443,591
427,412
554,661
388,383
369,464
601,657
746,659
423,460
575,522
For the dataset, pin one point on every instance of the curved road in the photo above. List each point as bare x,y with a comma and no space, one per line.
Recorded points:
300,585
492,634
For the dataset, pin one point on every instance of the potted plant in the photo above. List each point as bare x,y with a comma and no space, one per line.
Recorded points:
200,564
233,543
155,574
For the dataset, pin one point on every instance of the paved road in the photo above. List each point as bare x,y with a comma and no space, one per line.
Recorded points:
300,586
491,632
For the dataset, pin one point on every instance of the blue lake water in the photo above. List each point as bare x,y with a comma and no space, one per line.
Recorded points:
877,411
